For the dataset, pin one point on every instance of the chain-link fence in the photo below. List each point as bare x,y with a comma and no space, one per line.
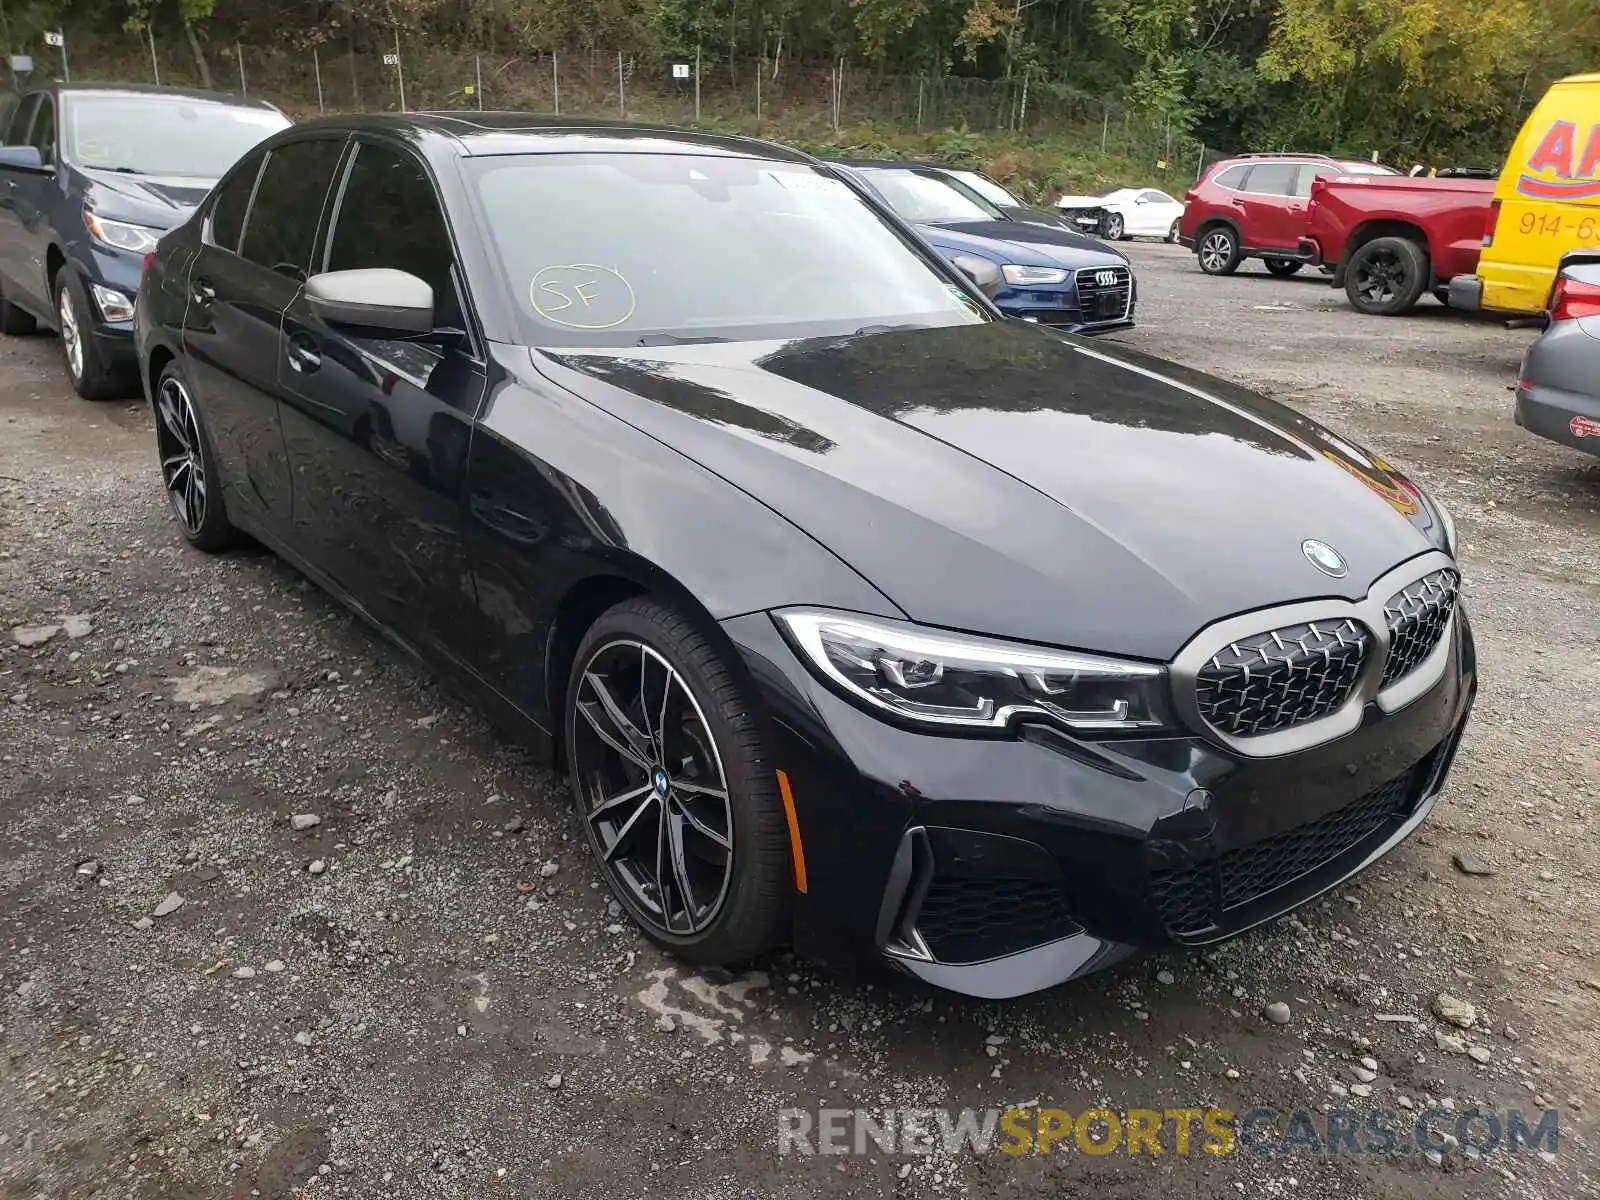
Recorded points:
755,94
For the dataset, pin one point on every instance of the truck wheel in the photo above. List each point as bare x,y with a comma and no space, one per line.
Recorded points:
1282,267
1386,276
1218,251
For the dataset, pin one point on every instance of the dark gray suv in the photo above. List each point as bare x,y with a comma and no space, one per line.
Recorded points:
91,175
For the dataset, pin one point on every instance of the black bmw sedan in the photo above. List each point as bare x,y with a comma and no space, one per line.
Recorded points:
858,615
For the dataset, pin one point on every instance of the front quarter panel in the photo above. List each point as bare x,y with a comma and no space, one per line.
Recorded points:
561,493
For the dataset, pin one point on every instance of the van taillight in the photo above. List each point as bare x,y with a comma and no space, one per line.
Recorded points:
1488,231
1573,299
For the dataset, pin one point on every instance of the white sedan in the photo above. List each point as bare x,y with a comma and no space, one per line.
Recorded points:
1125,213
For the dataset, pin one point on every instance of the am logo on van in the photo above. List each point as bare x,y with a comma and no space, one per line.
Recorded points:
1577,177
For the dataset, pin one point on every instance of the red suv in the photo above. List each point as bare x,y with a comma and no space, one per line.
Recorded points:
1254,206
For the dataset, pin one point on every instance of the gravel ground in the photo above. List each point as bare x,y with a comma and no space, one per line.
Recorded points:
425,992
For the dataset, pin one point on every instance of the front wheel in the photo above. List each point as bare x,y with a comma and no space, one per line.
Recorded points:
1386,276
93,374
1115,227
1282,267
1172,234
1218,251
678,797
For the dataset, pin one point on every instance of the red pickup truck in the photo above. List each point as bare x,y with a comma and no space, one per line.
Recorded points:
1389,238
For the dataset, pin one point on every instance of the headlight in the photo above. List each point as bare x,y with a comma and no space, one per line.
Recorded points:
952,680
1016,274
120,234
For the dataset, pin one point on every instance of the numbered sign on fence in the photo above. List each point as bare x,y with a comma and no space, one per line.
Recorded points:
54,38
680,70
391,60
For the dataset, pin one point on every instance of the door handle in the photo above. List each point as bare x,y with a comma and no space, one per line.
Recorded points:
302,357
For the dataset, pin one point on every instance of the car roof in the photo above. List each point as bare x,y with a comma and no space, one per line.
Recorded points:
491,133
133,90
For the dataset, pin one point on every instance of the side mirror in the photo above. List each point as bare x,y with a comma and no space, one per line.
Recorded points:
23,158
983,273
378,300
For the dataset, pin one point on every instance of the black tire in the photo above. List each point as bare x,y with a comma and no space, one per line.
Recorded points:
1386,276
1116,228
181,434
749,915
1282,267
13,321
1172,234
92,373
1217,250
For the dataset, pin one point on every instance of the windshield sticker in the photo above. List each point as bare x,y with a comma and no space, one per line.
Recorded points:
807,181
582,296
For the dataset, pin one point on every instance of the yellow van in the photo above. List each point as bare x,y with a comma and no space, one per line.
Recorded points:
1546,203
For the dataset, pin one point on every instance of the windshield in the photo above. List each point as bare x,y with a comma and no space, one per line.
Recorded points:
648,249
930,199
987,188
162,135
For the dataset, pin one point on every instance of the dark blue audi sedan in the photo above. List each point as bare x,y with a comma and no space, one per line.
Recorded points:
91,175
1054,276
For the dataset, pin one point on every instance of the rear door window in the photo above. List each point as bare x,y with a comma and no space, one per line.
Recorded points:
232,202
1233,177
282,225
1310,173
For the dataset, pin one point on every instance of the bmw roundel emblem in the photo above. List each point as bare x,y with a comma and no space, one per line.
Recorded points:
1324,558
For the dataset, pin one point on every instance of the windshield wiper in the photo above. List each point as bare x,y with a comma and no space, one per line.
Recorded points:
674,339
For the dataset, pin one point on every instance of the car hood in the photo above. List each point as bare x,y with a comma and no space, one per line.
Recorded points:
158,201
1011,480
1037,216
1025,244
1080,202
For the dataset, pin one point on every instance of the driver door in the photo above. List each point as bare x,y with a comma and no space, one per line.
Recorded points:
377,427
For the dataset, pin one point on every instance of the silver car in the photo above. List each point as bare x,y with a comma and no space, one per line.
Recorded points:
1558,389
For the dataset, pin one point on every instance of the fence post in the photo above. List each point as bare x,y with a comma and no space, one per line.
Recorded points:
355,76
316,66
1105,127
697,85
555,80
622,96
399,71
761,65
238,54
1022,116
919,103
477,70
154,65
1200,162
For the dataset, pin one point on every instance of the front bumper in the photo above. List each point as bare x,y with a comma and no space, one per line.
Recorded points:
1000,866
1070,308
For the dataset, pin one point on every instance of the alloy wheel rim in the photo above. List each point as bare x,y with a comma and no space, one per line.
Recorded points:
1215,251
1114,227
653,791
182,468
71,337
1378,277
